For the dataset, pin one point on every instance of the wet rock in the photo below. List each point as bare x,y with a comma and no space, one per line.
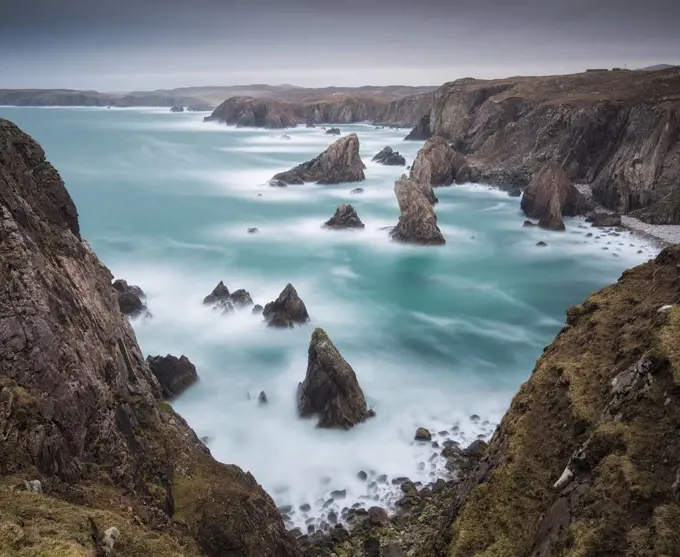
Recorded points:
241,298
474,418
305,508
257,308
341,162
253,230
109,540
381,479
345,217
339,494
476,449
377,516
589,235
604,219
262,398
287,310
357,190
363,476
515,192
130,298
528,224
219,298
389,157
332,518
541,244
418,221
330,389
175,375
333,131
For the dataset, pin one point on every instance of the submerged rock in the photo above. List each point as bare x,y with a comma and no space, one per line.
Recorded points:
345,217
333,131
357,190
330,389
341,162
130,298
389,157
418,221
241,298
175,375
287,310
551,195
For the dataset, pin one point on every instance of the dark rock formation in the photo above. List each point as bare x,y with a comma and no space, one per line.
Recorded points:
339,163
422,434
604,219
130,298
177,108
330,389
241,298
614,130
418,221
81,410
219,298
389,157
357,190
175,375
251,112
341,109
550,195
438,164
345,217
421,131
257,308
287,310
333,131
407,111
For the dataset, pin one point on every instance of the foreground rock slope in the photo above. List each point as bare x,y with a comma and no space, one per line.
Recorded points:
618,131
81,412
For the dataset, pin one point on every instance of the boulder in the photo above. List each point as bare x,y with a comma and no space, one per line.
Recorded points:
287,310
422,434
330,389
551,195
389,157
418,221
175,375
604,219
333,131
253,230
345,217
339,163
130,298
251,112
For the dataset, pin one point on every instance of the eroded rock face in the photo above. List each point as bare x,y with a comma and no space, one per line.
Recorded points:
256,113
345,217
287,310
438,164
79,405
389,157
330,389
418,221
339,163
421,130
174,374
550,195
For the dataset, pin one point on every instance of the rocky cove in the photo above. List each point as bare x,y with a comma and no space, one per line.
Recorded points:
506,503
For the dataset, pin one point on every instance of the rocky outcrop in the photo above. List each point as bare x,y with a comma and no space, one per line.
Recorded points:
220,299
81,411
341,109
287,310
438,164
407,111
417,221
345,217
255,113
421,131
330,389
617,131
551,195
389,157
130,298
339,163
175,375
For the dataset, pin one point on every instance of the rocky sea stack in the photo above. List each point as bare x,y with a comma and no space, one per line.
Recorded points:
287,310
330,389
82,414
438,164
551,195
345,217
339,163
418,221
254,113
389,157
174,374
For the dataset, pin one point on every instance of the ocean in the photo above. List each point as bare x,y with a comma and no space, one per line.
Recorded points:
434,334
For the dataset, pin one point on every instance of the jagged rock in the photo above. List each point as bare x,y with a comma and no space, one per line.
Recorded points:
175,375
219,299
421,130
130,298
339,163
257,308
357,190
389,157
604,219
333,131
86,411
423,434
251,112
177,109
262,398
33,486
418,221
345,217
550,195
287,310
438,164
476,449
330,389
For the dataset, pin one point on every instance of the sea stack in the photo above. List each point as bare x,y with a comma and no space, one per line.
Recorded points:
439,164
287,310
345,217
418,221
339,163
389,157
330,390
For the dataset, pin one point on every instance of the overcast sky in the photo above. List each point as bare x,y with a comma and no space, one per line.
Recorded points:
118,45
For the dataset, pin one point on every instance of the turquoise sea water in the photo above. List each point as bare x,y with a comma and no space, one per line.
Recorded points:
434,334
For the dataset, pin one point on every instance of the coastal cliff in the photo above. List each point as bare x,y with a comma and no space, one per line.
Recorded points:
82,422
618,131
407,111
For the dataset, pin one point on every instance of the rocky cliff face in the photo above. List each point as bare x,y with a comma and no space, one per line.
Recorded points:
81,411
407,111
341,109
256,113
619,131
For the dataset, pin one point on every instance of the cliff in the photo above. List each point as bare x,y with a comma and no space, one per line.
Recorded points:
407,111
81,412
251,112
618,131
341,109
